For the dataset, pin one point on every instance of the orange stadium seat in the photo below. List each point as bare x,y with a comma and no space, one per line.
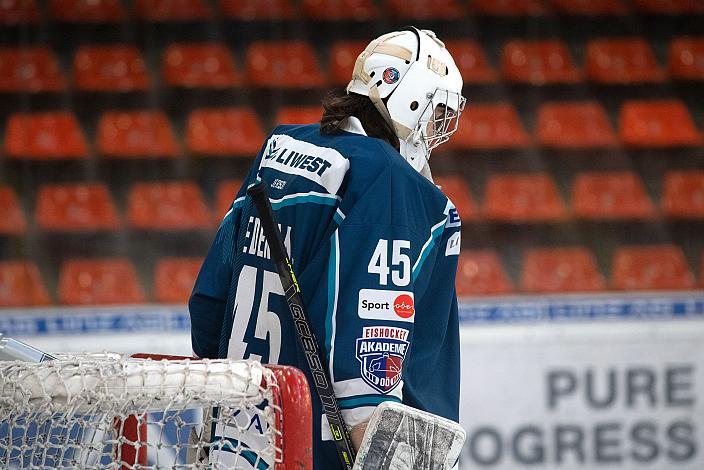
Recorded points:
686,58
509,7
658,123
207,65
650,267
424,10
283,64
590,7
456,188
99,281
683,194
335,10
523,198
136,134
172,10
257,10
621,61
167,206
224,132
574,125
563,269
342,57
224,197
21,285
14,12
479,272
490,126
29,69
669,7
471,60
12,219
45,136
114,68
298,115
538,62
611,195
174,279
81,11
75,208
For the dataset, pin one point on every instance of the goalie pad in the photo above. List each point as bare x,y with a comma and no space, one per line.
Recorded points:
399,437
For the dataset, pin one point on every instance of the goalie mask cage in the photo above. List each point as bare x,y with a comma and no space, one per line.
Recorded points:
107,411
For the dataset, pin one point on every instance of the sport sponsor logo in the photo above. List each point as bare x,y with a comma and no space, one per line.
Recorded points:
278,184
403,306
295,159
325,166
380,352
390,305
453,244
453,217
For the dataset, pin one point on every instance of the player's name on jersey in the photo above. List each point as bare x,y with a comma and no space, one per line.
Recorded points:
256,243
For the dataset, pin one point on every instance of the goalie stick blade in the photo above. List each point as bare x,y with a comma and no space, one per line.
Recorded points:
399,437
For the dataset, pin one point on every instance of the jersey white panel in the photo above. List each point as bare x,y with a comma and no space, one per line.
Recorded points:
323,165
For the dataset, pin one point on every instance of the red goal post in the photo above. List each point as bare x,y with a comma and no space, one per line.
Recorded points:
292,405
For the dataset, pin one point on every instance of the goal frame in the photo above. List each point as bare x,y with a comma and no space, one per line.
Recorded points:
293,399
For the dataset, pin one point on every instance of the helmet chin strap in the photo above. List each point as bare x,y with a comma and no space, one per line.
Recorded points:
401,131
416,156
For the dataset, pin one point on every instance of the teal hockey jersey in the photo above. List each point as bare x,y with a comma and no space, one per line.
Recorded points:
374,246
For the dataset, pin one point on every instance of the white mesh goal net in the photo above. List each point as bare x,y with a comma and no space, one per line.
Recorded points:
108,411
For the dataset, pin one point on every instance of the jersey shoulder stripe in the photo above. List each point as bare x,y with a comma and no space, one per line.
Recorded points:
435,232
298,198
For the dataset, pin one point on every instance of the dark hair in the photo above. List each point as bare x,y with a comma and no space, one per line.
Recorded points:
338,105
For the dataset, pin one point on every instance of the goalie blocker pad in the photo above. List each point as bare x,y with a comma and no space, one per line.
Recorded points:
399,437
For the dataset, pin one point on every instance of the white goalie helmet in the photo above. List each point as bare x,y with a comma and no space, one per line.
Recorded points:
414,83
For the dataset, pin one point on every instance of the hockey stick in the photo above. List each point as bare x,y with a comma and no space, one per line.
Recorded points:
306,337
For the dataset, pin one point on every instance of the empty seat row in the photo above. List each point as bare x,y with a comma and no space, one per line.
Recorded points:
144,134
89,207
121,68
294,64
480,272
613,61
97,281
513,198
574,269
134,134
575,125
597,8
237,131
599,195
111,11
